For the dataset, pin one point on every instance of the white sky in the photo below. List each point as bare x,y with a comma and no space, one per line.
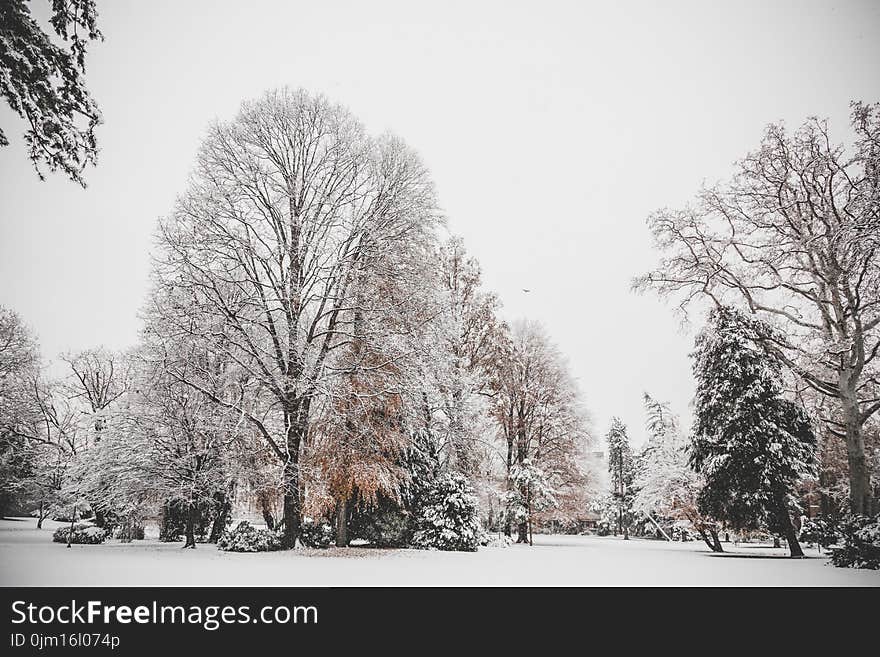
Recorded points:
552,130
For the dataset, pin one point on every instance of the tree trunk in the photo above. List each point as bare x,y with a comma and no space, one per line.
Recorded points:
793,545
72,523
40,517
266,510
222,515
508,525
342,523
712,543
788,530
716,544
291,503
859,476
191,514
529,517
522,532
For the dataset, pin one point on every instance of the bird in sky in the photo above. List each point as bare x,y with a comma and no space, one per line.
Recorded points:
526,290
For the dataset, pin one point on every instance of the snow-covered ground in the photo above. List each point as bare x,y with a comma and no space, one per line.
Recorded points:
28,557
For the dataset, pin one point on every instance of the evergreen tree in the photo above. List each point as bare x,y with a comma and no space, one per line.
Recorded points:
42,81
620,465
749,441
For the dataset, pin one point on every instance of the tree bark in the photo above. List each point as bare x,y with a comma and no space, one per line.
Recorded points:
788,530
191,513
711,543
508,525
522,532
716,544
342,523
292,503
220,520
268,518
859,475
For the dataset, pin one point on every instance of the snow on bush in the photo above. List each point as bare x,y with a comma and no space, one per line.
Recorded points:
316,534
497,541
861,543
820,532
246,538
448,518
83,534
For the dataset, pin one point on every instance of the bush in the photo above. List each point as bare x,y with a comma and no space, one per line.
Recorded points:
384,524
448,517
861,543
83,534
497,541
246,538
820,532
316,534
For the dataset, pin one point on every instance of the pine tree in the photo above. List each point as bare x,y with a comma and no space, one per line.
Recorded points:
620,465
749,441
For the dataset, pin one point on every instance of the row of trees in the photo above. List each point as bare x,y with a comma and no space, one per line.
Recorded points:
793,240
308,344
749,453
788,386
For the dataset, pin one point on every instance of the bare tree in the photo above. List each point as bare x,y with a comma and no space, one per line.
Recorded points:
793,237
290,206
99,378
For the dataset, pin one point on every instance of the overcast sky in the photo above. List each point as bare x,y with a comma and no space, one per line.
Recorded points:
552,129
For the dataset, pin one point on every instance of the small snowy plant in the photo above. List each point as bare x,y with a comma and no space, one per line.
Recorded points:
316,534
498,541
861,543
247,538
448,517
83,534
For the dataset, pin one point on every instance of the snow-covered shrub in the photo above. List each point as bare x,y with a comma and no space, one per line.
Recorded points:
384,524
820,532
681,533
498,541
247,538
861,543
316,534
83,534
448,517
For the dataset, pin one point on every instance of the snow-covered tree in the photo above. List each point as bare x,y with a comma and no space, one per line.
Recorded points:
19,368
531,491
621,467
749,441
464,345
540,416
43,83
447,518
295,223
665,484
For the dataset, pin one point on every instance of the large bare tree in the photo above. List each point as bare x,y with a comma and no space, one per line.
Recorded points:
291,212
794,238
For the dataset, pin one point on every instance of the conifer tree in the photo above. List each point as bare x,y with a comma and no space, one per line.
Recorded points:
620,465
749,441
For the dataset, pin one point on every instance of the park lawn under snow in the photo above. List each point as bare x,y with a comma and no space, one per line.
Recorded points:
28,557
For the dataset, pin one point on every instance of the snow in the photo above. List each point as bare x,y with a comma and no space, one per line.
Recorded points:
29,558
